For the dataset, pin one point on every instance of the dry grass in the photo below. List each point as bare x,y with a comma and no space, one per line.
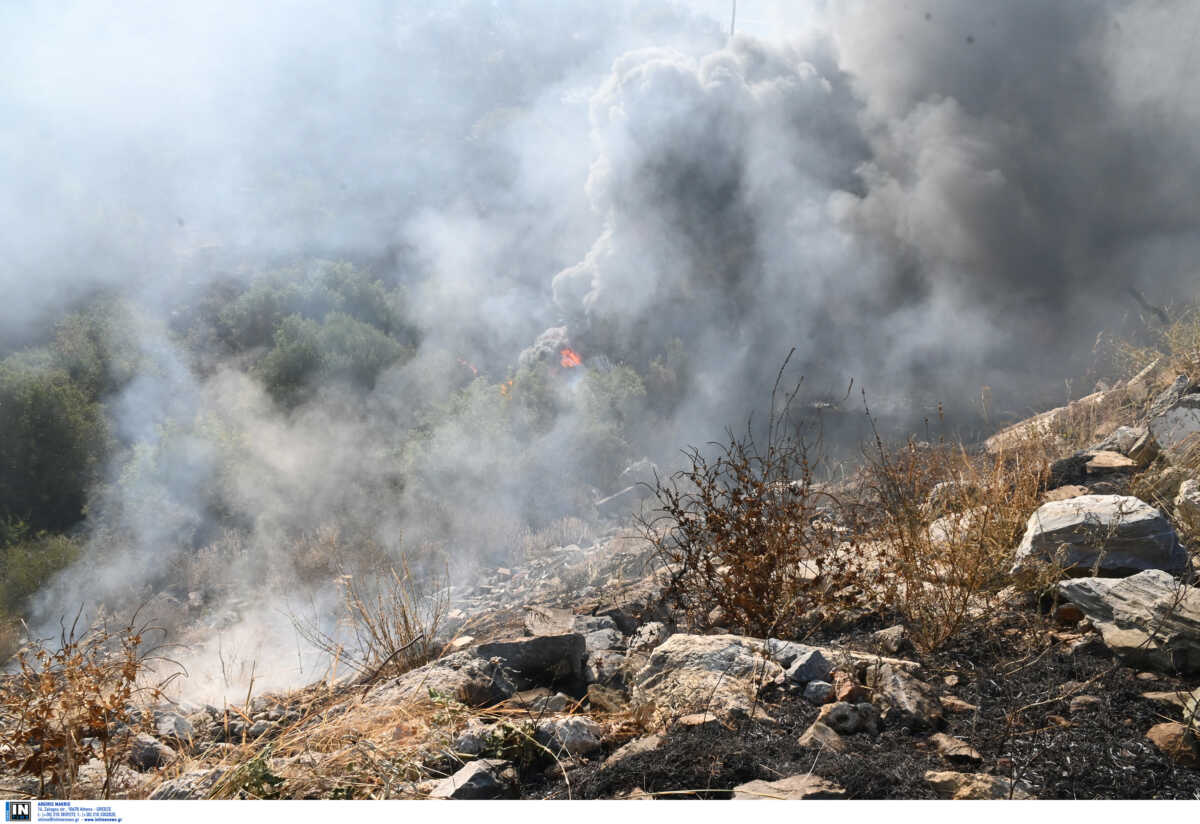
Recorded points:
67,705
945,525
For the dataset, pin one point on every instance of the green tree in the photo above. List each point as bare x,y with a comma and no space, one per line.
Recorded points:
52,439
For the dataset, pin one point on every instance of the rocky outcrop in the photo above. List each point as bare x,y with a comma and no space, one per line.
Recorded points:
1109,533
1148,620
721,674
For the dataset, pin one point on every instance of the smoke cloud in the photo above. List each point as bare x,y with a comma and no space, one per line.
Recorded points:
925,197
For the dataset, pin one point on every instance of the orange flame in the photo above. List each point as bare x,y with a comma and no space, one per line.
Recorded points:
505,388
570,358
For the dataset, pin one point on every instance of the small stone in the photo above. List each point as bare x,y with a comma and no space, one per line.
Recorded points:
819,735
841,717
818,692
793,788
470,741
892,640
1086,704
952,703
147,753
809,666
1068,614
846,688
577,735
637,746
955,750
486,778
1176,742
1147,676
975,786
950,680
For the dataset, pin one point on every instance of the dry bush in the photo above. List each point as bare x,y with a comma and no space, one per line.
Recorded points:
66,706
936,559
392,622
750,531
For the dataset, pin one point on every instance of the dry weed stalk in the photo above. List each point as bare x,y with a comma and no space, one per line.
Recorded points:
394,625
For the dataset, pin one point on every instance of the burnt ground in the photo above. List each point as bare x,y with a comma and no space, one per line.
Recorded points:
1021,678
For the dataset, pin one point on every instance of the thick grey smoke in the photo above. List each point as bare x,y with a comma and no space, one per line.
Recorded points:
925,197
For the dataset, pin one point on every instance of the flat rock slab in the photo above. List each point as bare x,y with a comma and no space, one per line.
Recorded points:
793,788
1148,620
718,673
1119,533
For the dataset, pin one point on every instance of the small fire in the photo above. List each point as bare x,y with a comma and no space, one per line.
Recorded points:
570,358
506,388
474,371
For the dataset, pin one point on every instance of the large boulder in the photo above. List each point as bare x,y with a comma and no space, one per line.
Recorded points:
1115,534
461,676
721,674
1148,620
549,660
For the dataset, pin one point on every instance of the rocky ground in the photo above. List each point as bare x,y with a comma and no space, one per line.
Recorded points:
572,676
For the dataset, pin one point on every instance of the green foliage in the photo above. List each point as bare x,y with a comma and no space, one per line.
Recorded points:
52,438
314,292
28,564
97,348
295,359
341,347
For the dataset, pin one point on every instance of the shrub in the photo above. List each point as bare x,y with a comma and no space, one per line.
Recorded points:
64,707
750,531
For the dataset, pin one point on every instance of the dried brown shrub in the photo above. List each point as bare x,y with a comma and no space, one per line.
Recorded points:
66,706
750,531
